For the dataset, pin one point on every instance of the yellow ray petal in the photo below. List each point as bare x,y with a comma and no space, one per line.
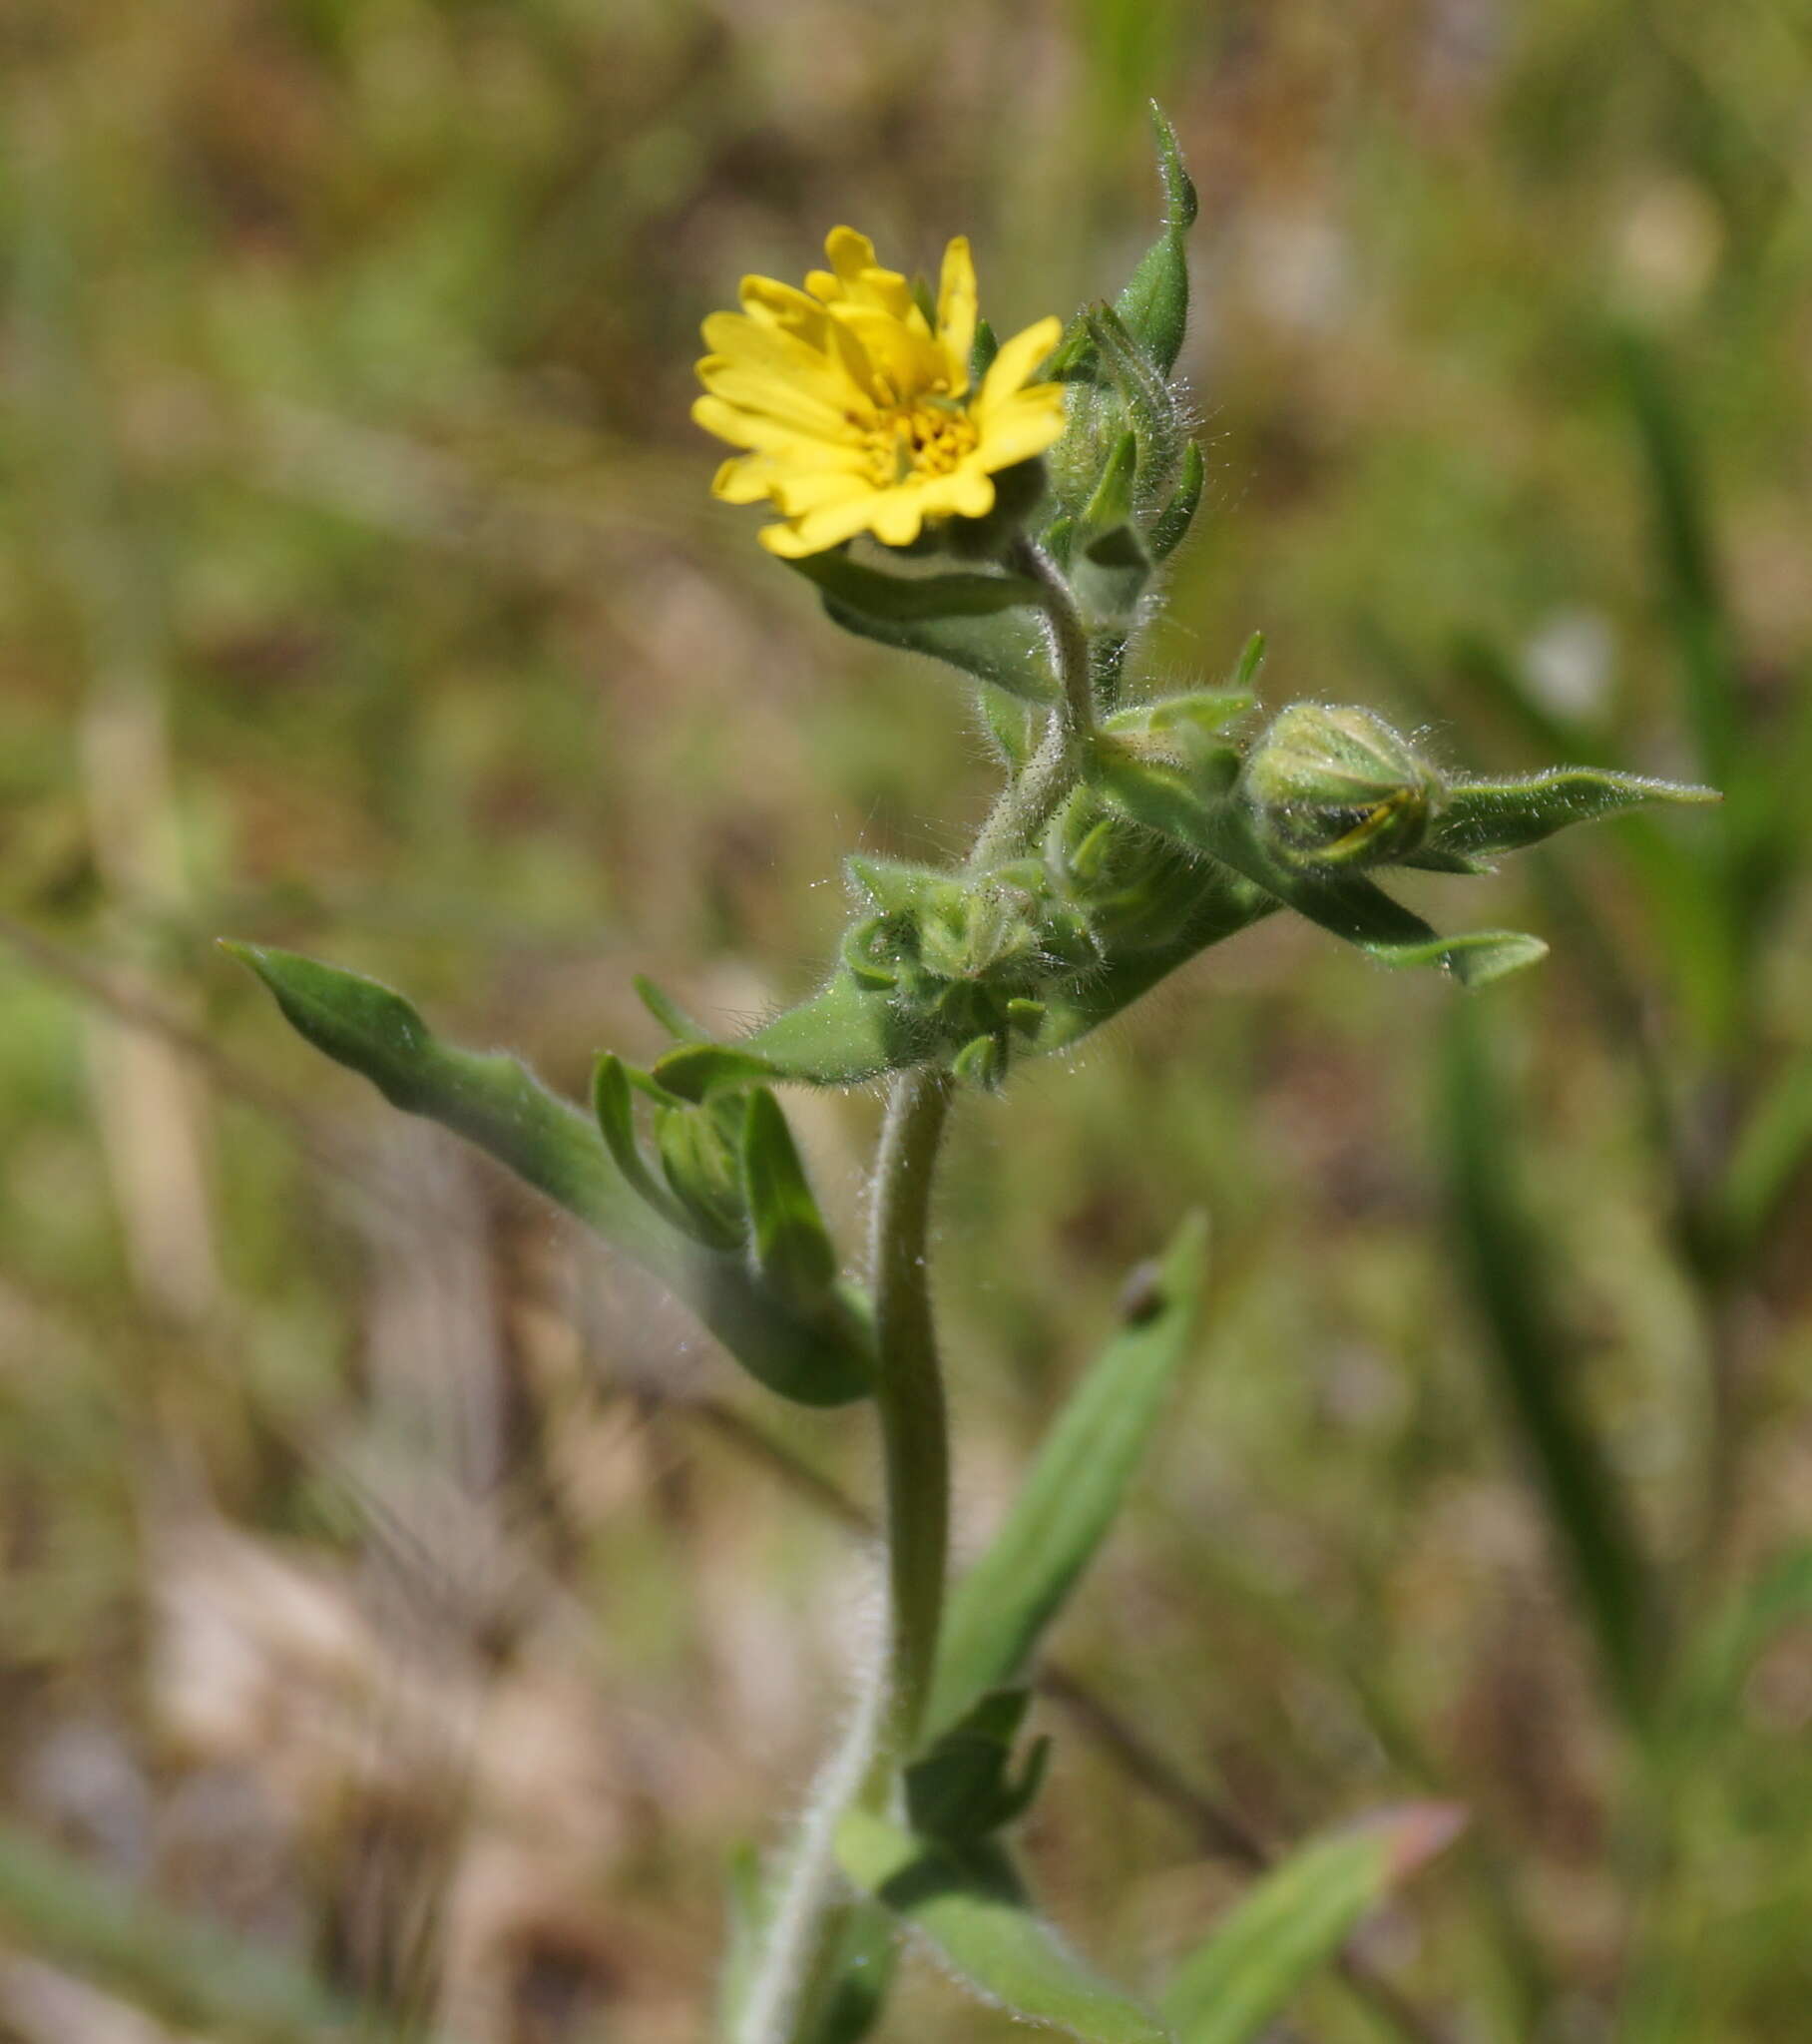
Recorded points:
828,526
754,344
848,253
911,363
778,397
1017,361
968,492
895,516
800,493
957,306
781,304
742,427
743,479
1023,425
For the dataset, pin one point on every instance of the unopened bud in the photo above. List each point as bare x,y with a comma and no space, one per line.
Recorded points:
1338,788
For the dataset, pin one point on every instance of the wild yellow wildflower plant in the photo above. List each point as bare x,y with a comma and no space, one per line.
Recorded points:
860,409
1133,831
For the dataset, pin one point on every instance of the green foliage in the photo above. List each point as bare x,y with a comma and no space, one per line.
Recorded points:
984,625
962,1787
1154,304
1538,1370
819,1356
344,354
1294,1921
1069,1498
187,1973
1137,828
971,1909
1478,818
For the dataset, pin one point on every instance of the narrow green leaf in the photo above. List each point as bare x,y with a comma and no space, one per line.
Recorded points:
615,1112
700,1159
917,599
1724,1650
824,1358
1111,503
1012,724
982,353
988,625
1294,1921
793,1250
841,1037
1069,1500
1151,407
1772,1149
695,1071
489,1098
971,1909
189,1973
1538,1366
667,1011
1245,669
1172,523
1155,302
1476,817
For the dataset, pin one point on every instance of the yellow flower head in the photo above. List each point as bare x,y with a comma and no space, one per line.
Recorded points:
857,411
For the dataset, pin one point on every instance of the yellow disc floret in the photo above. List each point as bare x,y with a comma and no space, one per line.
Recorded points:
857,411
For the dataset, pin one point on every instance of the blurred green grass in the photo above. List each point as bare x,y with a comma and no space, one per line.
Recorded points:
359,591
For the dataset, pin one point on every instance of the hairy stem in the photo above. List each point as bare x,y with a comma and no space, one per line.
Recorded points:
1056,766
1069,641
909,1389
803,1913
909,1397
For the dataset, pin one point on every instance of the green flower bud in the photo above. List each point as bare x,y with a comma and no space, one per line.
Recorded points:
1338,788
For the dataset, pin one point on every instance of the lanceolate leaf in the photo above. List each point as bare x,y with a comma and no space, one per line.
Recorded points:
1294,1920
1172,523
1481,816
614,1108
1155,302
793,1250
819,1358
987,625
1151,404
840,1036
1075,1487
971,1909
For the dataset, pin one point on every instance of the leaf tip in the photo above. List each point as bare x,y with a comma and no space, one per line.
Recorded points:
1415,1833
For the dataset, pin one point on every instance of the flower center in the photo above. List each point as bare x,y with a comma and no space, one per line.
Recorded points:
926,437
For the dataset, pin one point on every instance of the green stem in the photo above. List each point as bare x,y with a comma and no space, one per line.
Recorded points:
909,1391
1069,637
909,1397
1058,764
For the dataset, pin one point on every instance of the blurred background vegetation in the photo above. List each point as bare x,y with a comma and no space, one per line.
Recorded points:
390,1584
